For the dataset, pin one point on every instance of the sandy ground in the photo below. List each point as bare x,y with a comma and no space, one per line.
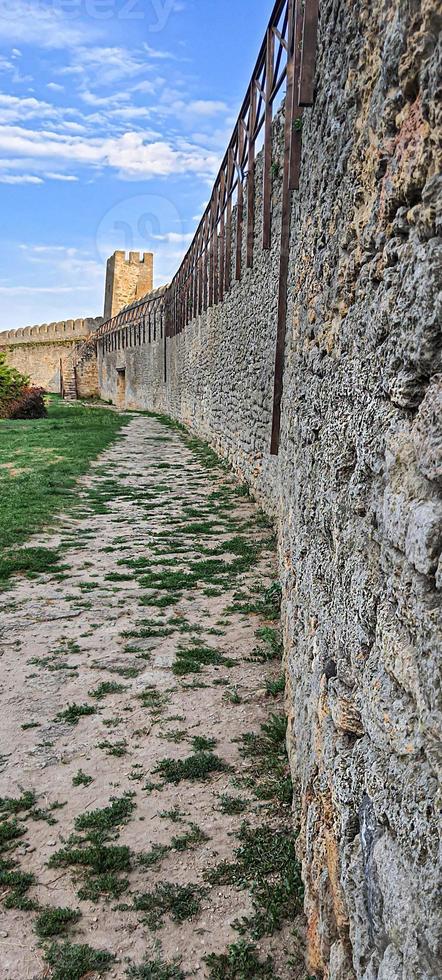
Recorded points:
64,634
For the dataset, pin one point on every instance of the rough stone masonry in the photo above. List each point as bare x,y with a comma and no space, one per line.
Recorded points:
356,487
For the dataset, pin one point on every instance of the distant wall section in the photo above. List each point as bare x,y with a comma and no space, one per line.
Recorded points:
40,351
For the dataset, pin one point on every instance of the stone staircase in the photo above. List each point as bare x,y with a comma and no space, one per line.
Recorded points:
70,387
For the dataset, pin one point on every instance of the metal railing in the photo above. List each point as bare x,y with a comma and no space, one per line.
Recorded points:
219,246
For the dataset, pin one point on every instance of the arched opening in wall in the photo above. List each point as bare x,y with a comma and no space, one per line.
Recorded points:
121,387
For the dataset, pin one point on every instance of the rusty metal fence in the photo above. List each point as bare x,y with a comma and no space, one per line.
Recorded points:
220,246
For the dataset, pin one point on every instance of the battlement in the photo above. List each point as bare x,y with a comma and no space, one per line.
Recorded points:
135,258
128,278
65,330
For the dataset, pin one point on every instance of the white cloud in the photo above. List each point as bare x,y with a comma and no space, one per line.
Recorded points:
175,237
206,107
132,154
20,179
55,176
55,87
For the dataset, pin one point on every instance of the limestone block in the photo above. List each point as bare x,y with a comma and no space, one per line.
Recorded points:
423,543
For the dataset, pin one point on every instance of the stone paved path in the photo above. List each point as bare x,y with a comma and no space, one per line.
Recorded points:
129,656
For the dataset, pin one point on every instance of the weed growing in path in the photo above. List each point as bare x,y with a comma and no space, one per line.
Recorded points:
73,962
240,962
54,921
181,902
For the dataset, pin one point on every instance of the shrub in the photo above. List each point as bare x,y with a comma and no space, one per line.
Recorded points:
18,400
28,404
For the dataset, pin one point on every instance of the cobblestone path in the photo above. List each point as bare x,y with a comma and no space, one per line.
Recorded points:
145,825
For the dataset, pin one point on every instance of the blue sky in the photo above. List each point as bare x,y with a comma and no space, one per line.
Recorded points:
114,116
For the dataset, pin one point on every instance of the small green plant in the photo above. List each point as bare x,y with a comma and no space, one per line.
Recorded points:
14,884
54,921
156,969
266,860
116,749
199,766
26,801
106,885
240,962
81,779
181,902
105,688
175,815
276,687
74,712
105,820
189,660
231,804
190,839
69,961
98,858
202,744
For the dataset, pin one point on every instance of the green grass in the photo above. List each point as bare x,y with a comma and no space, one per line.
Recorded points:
232,804
266,863
13,885
54,921
82,779
199,766
267,754
73,962
98,858
103,821
240,962
74,712
105,688
19,804
190,660
156,969
49,455
106,885
181,902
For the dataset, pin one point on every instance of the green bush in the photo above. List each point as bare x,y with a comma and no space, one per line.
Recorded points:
11,381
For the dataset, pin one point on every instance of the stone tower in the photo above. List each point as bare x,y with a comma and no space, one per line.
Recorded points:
127,280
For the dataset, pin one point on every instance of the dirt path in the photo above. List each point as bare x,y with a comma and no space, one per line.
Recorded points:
128,683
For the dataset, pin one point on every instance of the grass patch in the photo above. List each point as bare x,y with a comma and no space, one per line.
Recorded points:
54,921
74,712
54,451
70,961
96,857
267,754
103,821
181,902
240,962
105,688
231,804
27,561
81,779
266,863
199,766
190,660
156,969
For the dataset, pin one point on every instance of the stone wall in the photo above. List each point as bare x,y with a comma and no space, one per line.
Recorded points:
127,280
37,351
356,487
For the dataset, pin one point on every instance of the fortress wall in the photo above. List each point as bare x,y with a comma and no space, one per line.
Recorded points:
36,351
356,488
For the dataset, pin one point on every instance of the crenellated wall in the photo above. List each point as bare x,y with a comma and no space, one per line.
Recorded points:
356,488
37,351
